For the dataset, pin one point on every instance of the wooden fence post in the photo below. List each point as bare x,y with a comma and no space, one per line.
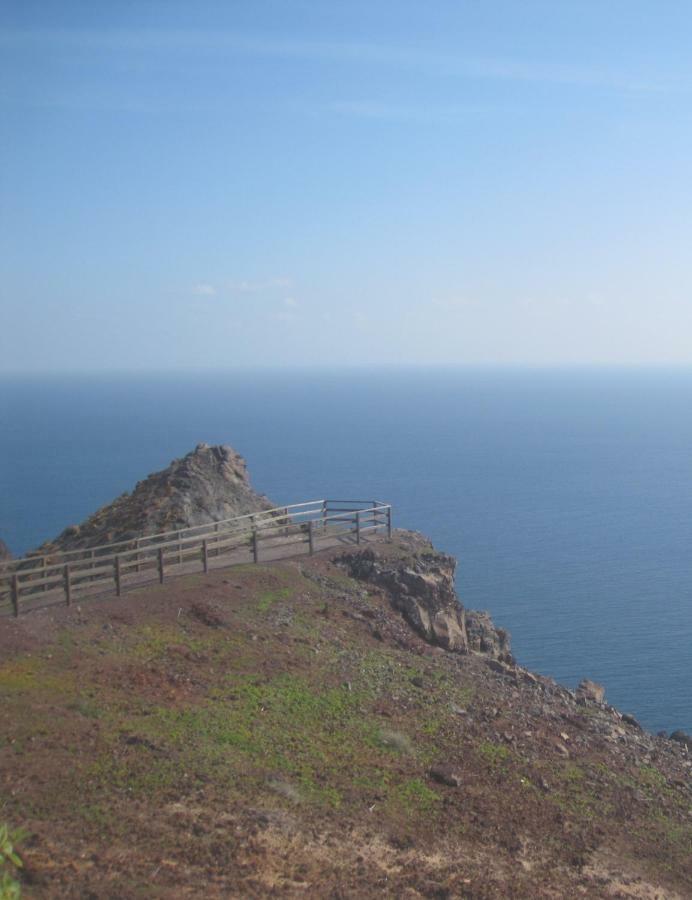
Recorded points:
205,556
68,584
389,523
357,526
15,595
255,545
117,576
311,537
160,565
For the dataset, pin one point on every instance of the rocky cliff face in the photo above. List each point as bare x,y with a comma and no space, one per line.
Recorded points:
420,582
206,485
4,551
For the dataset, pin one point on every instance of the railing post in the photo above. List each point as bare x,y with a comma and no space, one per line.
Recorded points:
324,516
15,595
389,523
311,538
205,556
357,526
117,576
255,545
160,565
68,584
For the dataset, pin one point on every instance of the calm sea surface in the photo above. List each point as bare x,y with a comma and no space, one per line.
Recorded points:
565,496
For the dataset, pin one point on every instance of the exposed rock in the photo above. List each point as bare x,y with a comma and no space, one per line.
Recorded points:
421,586
5,552
590,690
630,720
484,637
206,485
681,737
561,749
445,773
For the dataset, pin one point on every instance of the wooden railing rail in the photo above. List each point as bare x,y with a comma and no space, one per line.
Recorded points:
263,515
63,577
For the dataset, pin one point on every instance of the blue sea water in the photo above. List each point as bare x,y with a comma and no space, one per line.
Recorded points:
565,495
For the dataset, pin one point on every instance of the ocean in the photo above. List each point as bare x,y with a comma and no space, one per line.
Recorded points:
566,496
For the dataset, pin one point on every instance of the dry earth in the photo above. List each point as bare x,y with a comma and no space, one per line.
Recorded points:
280,730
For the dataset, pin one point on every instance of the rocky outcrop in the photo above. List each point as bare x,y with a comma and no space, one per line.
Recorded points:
206,485
420,583
5,552
590,691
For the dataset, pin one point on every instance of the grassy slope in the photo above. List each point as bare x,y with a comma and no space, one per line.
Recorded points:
258,730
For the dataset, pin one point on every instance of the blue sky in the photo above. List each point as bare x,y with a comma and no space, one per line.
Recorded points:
299,183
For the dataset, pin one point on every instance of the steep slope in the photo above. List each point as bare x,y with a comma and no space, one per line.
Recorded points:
281,729
206,485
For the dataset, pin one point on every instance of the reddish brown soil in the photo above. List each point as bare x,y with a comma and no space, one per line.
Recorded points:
271,731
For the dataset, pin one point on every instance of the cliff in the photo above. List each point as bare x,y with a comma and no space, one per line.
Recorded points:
206,485
420,581
5,552
327,726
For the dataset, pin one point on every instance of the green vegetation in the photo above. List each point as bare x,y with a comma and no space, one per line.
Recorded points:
10,862
493,754
269,598
414,797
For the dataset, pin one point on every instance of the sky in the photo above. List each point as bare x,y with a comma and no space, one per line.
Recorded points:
291,183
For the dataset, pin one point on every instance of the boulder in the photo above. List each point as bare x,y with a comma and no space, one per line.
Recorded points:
680,737
590,690
446,773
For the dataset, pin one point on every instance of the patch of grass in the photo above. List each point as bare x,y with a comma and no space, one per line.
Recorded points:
396,741
572,774
86,706
269,598
650,777
31,674
414,797
10,863
493,754
314,736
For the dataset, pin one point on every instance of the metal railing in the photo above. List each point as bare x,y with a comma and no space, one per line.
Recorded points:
65,576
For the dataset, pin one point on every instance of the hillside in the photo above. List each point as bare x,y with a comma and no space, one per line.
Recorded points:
333,726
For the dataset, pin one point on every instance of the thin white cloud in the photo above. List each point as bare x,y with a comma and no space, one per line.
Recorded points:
290,302
204,289
424,114
344,52
258,287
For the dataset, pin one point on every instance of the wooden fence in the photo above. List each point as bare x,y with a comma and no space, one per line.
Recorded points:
43,579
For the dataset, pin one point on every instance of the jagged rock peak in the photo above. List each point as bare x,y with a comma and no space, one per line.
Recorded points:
420,582
206,485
